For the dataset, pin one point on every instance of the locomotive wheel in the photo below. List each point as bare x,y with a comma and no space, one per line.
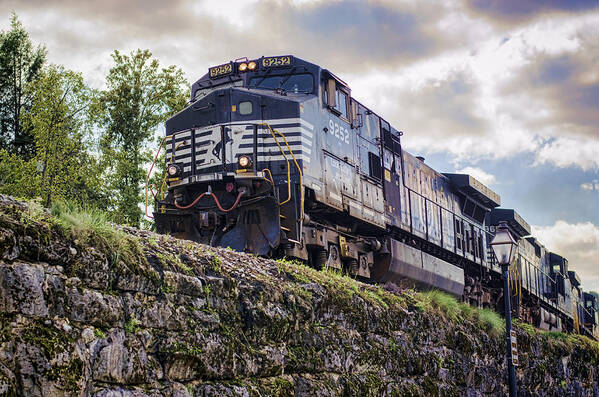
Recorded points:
353,267
319,258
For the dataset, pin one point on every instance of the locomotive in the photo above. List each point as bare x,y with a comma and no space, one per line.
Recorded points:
273,156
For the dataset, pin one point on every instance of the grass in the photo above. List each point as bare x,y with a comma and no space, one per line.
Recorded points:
91,226
449,307
446,304
528,328
99,333
491,322
132,325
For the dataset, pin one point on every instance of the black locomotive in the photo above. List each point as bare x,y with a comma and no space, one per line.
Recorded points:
274,156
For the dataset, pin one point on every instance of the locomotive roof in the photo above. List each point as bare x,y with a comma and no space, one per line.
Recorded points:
513,219
473,187
295,64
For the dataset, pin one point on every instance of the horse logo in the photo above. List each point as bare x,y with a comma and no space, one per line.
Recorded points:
217,151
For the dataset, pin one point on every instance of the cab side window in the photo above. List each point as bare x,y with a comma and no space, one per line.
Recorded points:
342,103
336,98
370,124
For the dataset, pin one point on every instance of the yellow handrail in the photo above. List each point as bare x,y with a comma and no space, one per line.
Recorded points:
286,159
272,180
299,170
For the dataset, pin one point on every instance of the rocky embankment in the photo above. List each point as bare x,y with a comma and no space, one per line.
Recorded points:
89,310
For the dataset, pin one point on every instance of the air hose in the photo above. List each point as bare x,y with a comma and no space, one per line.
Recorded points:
185,207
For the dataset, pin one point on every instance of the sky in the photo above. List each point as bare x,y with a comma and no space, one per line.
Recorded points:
505,90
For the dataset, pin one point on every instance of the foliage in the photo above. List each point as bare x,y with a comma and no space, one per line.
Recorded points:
450,308
48,117
528,328
18,178
132,325
57,121
62,167
20,65
139,96
99,333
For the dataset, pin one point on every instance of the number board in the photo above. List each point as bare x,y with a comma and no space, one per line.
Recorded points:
276,62
220,70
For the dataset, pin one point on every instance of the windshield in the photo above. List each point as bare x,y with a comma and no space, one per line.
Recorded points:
292,83
203,91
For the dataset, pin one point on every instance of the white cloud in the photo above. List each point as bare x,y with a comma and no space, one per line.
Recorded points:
592,186
565,152
459,91
234,12
579,243
470,101
477,173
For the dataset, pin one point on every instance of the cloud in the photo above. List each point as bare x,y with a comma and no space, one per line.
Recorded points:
592,186
503,11
579,243
477,173
533,91
436,70
561,88
344,36
567,152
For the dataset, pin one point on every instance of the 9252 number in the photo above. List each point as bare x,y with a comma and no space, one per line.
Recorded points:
276,61
220,70
339,132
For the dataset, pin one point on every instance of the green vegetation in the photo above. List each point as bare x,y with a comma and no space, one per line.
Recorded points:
99,333
283,387
529,329
20,64
132,325
139,96
491,322
63,141
448,306
69,375
91,226
50,340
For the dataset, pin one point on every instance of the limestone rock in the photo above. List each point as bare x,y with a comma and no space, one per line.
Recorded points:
156,316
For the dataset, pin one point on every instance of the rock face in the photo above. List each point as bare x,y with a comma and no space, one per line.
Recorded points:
130,313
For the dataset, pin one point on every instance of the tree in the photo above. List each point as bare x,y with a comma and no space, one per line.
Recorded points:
139,96
58,122
18,178
20,64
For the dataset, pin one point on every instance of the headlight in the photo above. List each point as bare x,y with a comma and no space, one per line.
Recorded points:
174,170
244,162
243,67
252,65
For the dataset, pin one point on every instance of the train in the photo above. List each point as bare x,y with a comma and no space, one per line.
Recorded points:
274,156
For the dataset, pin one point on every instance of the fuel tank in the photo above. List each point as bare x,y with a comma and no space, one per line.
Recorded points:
402,262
